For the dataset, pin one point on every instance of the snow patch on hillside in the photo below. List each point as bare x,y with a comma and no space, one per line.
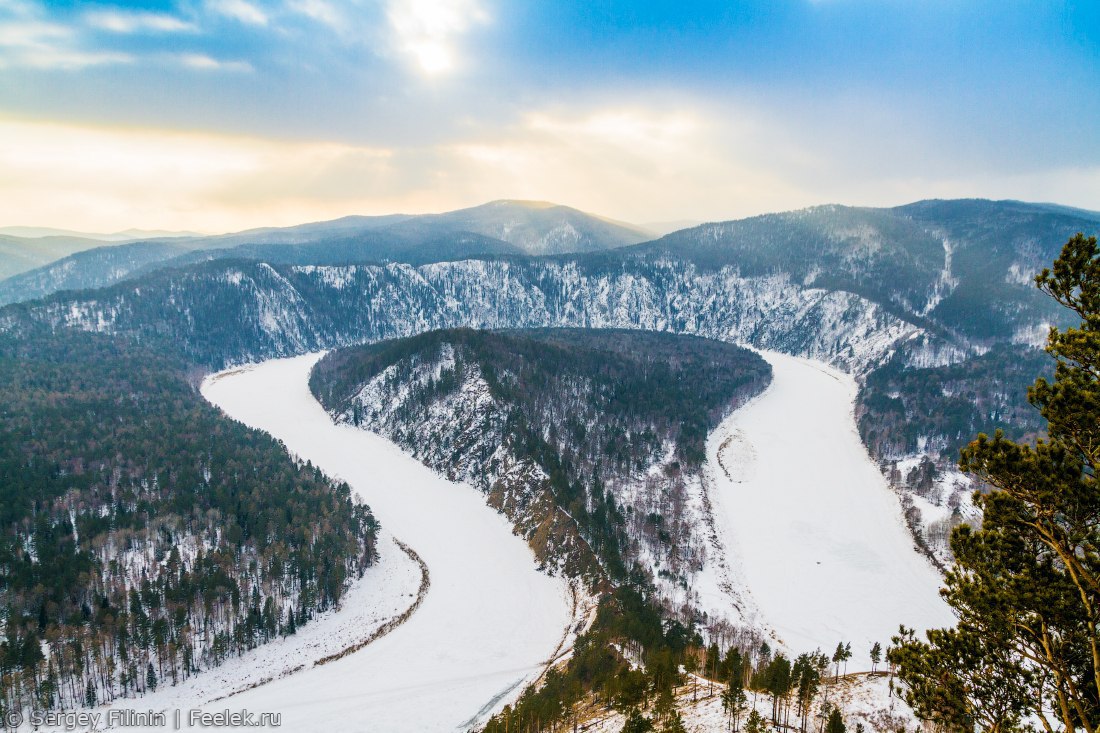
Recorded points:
383,593
334,277
1021,274
1035,334
862,699
945,284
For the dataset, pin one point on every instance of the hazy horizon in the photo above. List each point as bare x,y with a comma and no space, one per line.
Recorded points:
224,115
656,228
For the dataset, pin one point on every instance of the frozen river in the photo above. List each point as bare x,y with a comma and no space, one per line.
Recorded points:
489,619
813,537
810,523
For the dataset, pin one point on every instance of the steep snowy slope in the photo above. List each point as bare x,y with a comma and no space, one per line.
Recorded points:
226,313
590,441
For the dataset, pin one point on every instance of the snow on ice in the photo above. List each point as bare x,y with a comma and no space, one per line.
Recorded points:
810,526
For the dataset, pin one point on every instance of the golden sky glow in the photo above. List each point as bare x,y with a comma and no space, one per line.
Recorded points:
626,163
218,115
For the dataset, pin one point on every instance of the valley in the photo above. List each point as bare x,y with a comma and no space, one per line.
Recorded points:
563,433
472,366
813,536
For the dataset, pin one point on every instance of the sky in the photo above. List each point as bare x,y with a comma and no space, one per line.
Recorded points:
220,115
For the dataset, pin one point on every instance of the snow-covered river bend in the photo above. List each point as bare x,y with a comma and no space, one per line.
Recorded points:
811,527
489,620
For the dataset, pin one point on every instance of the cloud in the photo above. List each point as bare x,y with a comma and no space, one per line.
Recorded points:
321,11
635,162
239,10
638,160
427,31
118,21
630,128
46,45
202,62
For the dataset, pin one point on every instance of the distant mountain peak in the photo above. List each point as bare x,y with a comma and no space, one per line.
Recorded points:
524,203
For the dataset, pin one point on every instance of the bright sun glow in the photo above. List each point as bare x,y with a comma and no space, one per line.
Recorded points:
428,30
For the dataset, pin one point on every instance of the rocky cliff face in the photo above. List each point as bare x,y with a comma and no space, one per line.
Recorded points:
226,313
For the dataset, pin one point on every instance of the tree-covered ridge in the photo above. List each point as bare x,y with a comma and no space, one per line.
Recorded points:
578,420
904,409
498,228
956,270
143,535
226,312
645,384
600,431
962,265
865,250
998,248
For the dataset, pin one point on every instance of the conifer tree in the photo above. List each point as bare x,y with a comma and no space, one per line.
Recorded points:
1026,585
776,681
765,654
807,675
665,704
733,666
637,723
734,701
755,723
691,666
876,656
674,723
838,657
713,657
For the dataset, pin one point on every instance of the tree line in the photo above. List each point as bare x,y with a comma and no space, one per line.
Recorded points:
634,661
145,537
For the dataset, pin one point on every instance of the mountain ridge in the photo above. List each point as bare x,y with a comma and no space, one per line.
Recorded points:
504,227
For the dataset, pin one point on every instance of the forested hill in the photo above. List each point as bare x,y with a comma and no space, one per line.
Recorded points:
907,291
839,283
145,537
961,269
591,441
965,265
